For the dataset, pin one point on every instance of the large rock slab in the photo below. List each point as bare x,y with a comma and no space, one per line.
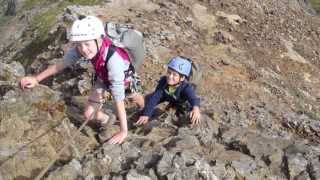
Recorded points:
34,128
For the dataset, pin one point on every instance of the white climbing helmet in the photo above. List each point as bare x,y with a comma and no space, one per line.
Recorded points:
88,28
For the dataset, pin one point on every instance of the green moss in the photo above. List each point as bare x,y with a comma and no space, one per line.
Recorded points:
311,114
29,4
316,5
44,21
84,2
301,104
27,54
41,24
39,28
4,20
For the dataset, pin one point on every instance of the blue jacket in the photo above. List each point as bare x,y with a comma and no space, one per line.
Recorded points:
184,93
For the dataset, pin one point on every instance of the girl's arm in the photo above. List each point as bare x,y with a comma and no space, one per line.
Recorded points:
116,67
69,59
119,137
32,81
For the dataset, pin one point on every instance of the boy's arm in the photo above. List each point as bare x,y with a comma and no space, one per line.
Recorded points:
154,98
194,102
191,96
151,101
195,115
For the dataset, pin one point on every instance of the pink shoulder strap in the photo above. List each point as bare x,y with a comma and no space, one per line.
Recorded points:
123,54
107,41
119,50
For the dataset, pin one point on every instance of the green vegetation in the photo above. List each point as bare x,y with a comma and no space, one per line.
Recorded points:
302,108
4,20
84,2
39,28
29,4
302,104
41,24
316,5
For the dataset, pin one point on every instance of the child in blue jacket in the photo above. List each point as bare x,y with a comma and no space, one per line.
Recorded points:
175,89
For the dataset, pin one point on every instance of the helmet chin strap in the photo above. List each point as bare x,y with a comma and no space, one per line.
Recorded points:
97,45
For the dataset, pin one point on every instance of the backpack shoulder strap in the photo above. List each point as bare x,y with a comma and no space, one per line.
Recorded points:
111,50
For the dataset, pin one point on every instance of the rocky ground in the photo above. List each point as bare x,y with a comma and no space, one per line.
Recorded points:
260,93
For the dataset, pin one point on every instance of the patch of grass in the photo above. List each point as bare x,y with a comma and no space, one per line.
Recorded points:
316,5
41,24
302,105
29,4
39,28
44,21
84,2
4,20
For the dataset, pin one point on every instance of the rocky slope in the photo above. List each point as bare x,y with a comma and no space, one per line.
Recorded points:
260,92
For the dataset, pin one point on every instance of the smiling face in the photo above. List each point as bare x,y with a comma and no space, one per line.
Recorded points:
87,49
173,77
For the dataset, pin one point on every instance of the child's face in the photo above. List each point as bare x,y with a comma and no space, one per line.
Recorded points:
173,77
87,49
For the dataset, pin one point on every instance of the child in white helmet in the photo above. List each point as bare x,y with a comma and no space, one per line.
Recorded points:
175,89
90,41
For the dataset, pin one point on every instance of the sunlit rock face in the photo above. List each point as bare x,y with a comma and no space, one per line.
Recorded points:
259,93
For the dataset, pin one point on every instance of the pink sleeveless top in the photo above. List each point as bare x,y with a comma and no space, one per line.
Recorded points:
99,62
